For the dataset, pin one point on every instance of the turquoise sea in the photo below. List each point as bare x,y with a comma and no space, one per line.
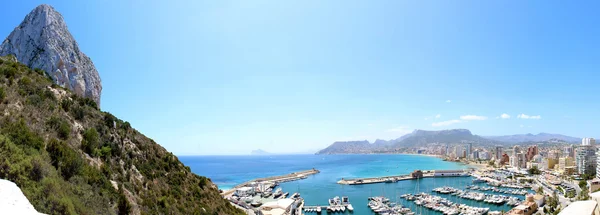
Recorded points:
227,171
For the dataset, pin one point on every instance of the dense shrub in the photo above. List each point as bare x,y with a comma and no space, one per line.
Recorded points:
62,127
64,158
20,134
91,141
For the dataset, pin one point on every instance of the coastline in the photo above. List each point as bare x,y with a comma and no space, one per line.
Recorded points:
426,155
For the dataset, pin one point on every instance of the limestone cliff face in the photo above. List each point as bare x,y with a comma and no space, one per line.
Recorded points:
43,41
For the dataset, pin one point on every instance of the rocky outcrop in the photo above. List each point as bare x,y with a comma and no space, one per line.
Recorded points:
43,41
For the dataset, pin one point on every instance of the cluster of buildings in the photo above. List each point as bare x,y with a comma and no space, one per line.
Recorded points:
569,160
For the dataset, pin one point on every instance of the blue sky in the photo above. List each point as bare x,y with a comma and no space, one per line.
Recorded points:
227,77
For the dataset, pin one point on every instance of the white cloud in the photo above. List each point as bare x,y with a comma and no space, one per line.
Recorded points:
473,117
525,116
448,101
521,126
370,124
401,130
438,116
505,116
445,123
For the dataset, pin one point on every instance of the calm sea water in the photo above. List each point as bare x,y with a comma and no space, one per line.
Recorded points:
228,171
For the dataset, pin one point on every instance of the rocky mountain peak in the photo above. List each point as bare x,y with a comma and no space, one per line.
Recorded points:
43,41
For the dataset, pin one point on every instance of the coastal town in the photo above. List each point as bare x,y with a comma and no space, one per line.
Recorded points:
529,179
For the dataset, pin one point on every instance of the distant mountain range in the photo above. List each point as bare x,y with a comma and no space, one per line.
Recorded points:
519,138
422,138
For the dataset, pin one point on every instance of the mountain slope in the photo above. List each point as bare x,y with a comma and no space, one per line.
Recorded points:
348,147
519,138
43,41
68,157
418,138
421,137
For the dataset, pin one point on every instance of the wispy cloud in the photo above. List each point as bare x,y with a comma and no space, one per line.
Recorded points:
400,130
525,116
473,117
432,117
445,123
521,126
448,101
505,116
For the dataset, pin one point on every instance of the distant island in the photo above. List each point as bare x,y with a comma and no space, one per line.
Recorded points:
260,152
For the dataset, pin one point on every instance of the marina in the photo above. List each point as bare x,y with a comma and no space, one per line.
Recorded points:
316,190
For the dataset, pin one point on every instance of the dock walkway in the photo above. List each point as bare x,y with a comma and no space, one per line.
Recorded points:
392,178
276,179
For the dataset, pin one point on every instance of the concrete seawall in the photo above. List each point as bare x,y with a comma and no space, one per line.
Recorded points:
393,178
277,179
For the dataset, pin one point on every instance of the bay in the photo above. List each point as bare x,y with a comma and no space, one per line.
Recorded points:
228,171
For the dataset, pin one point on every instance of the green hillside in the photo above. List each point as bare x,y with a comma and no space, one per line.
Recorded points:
68,157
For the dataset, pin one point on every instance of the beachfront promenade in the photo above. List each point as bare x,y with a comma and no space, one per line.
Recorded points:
394,178
274,179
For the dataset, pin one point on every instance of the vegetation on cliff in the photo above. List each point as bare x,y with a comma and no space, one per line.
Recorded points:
68,157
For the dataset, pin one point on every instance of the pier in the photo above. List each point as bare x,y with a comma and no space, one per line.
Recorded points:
414,175
274,179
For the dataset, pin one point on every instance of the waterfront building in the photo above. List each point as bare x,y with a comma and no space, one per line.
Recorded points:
244,191
469,150
475,155
447,152
484,155
589,207
518,160
531,151
499,153
585,159
528,207
279,207
459,151
588,141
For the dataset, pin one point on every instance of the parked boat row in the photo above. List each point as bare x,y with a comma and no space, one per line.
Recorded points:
477,196
497,190
316,209
443,205
383,206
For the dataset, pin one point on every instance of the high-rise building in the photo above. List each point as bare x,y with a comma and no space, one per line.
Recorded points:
447,149
588,141
569,151
475,155
585,159
469,150
516,150
459,151
531,151
498,153
484,155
